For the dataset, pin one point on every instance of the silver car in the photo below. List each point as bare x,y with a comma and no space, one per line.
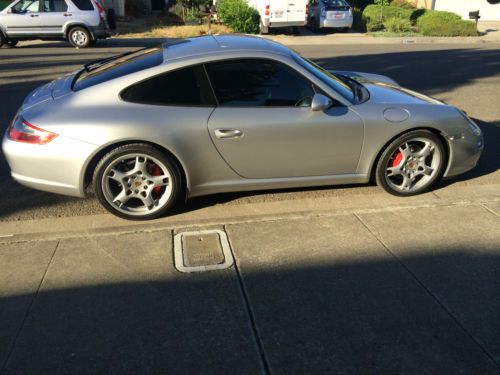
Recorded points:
81,22
329,14
229,113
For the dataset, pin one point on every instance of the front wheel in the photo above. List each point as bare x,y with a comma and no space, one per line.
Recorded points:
11,43
411,164
79,37
137,182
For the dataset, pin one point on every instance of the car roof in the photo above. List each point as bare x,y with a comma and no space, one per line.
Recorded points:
221,44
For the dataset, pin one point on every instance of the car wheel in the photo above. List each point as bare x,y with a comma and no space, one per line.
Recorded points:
11,43
411,164
2,40
79,37
137,182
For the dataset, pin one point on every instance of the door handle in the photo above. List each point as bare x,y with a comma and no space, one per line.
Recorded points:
228,133
33,15
67,15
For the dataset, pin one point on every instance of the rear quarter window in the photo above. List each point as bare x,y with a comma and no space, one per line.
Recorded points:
119,67
83,4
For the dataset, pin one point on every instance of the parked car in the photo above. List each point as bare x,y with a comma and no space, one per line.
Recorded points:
81,22
329,14
229,113
280,13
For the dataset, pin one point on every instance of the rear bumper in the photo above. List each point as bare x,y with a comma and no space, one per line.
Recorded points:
286,24
56,167
100,32
336,23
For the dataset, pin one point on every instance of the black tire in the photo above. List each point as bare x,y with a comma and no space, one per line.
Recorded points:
111,18
3,40
381,172
124,211
11,43
79,37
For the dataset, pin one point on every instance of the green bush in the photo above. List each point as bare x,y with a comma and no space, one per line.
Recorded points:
4,3
372,13
239,16
398,25
438,23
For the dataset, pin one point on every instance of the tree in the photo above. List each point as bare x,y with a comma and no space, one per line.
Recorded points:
382,3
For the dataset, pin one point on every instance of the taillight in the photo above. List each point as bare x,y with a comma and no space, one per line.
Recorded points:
307,9
267,10
100,9
22,131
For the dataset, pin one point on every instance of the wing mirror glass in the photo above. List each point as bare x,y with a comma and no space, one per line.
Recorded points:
320,102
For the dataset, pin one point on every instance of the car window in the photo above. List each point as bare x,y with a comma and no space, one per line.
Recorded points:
259,83
335,3
83,4
96,73
55,6
326,77
182,87
27,6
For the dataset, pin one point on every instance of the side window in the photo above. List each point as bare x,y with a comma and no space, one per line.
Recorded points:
259,83
83,4
183,87
27,6
55,6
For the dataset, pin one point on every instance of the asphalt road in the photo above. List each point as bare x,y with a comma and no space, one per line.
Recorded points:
465,75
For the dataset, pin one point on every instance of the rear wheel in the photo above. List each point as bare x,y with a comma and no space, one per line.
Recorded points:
137,182
411,164
11,43
79,37
3,40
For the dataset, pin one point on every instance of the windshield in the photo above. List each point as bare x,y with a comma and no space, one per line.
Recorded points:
335,3
118,66
328,78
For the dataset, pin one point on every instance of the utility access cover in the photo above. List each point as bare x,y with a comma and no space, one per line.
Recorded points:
199,251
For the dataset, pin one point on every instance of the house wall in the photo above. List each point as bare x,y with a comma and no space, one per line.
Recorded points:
487,11
427,4
117,5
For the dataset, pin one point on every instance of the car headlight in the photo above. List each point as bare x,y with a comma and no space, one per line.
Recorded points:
473,127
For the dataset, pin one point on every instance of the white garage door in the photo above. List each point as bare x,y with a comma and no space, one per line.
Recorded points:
487,11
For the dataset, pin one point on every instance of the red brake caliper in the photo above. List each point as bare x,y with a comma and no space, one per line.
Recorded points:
156,171
396,158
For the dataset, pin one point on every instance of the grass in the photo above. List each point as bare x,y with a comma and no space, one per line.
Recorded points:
161,27
393,35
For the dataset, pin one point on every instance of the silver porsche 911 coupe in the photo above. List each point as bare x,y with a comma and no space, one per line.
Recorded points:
229,113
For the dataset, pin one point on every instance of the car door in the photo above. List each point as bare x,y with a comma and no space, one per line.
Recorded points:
296,11
23,18
264,127
53,16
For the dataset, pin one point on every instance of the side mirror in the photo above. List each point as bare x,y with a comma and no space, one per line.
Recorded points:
320,102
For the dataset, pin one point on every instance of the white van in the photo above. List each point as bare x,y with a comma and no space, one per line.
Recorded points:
280,13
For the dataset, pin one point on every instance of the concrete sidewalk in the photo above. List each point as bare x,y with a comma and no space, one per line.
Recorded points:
380,288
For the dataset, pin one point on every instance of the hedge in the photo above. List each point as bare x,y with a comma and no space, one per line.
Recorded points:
4,3
372,13
239,16
439,23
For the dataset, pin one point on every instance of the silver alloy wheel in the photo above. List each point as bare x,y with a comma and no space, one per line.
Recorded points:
137,184
79,37
413,165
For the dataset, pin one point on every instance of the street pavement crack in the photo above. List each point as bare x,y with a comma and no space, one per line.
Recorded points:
429,292
251,315
28,310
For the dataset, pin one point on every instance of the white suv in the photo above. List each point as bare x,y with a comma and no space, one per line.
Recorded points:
81,22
